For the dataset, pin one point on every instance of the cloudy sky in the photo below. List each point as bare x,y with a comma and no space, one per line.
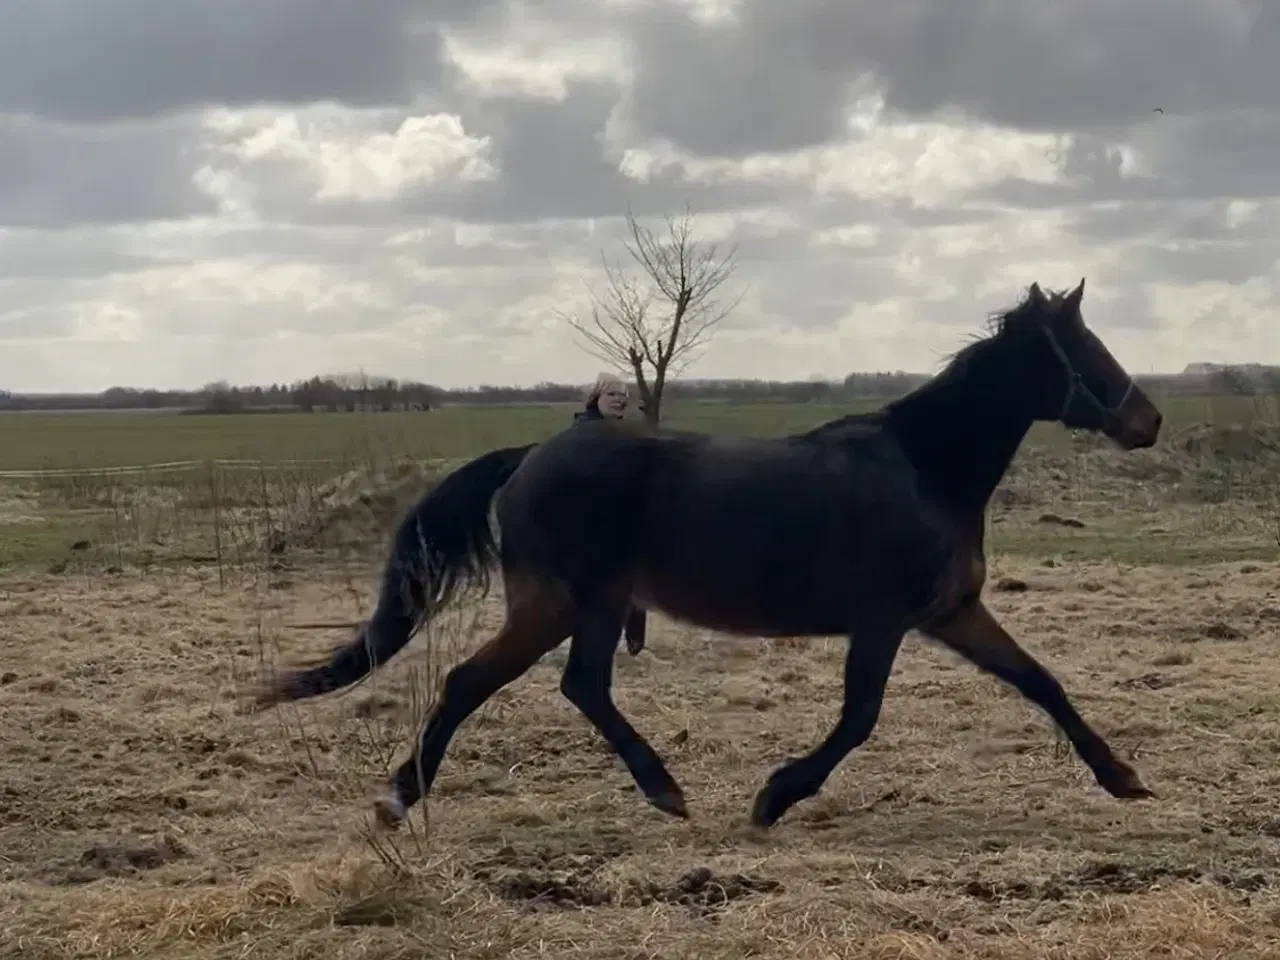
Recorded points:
262,190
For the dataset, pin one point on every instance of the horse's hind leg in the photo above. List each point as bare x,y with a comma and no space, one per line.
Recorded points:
974,633
868,661
538,618
587,682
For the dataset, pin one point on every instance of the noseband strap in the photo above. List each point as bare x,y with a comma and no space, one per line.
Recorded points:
1076,387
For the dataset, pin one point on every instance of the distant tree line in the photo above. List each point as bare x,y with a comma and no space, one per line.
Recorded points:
359,392
351,393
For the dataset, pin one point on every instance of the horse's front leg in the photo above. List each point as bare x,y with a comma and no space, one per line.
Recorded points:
868,661
973,632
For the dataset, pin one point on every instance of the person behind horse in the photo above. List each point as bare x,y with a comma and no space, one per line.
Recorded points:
607,400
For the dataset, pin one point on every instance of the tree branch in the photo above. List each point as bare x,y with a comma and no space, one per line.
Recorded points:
659,320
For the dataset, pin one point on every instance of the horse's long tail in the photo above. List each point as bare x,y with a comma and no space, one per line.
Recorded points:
444,545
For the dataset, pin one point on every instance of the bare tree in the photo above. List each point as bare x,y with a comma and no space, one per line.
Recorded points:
655,315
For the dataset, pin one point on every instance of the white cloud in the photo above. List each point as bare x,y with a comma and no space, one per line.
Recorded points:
929,163
535,58
330,154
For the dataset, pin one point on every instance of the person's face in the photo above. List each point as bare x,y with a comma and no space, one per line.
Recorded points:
613,401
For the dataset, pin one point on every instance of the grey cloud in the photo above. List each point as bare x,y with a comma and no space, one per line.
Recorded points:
897,216
1126,307
1179,220
1111,222
1231,262
798,284
552,161
822,288
56,176
41,266
263,242
909,215
767,249
731,91
83,60
354,280
1222,323
265,320
41,307
1228,154
1189,241
1029,195
57,256
449,296
1092,64
432,245
779,75
37,322
1233,152
1095,161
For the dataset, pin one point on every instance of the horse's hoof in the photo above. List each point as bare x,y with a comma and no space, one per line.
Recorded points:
274,691
763,812
671,802
1123,783
263,696
389,811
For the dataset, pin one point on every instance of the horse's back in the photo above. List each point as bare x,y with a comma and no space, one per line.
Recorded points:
577,502
776,529
794,525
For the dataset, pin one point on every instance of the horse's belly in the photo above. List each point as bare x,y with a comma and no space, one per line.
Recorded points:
751,610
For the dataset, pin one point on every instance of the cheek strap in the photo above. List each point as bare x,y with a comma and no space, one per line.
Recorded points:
1076,387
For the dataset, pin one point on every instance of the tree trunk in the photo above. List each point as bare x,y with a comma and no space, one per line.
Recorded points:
653,409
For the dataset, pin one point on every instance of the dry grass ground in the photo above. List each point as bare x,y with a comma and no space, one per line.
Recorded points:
142,815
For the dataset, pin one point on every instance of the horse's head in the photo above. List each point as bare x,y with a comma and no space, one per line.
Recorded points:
1076,381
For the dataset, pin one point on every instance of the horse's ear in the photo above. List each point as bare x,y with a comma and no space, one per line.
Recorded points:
1072,299
1035,294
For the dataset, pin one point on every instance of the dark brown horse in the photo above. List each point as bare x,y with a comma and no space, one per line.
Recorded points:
867,526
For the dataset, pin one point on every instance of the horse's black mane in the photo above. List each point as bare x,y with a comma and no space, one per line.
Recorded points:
1000,327
1003,324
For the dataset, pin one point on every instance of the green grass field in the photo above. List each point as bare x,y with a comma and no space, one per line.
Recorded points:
95,440
165,516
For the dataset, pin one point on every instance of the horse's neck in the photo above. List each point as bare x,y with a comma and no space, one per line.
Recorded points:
962,432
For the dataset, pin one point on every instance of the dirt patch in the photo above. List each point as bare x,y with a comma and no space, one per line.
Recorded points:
125,859
1011,585
1059,521
1104,877
1109,877
701,890
1209,630
558,889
